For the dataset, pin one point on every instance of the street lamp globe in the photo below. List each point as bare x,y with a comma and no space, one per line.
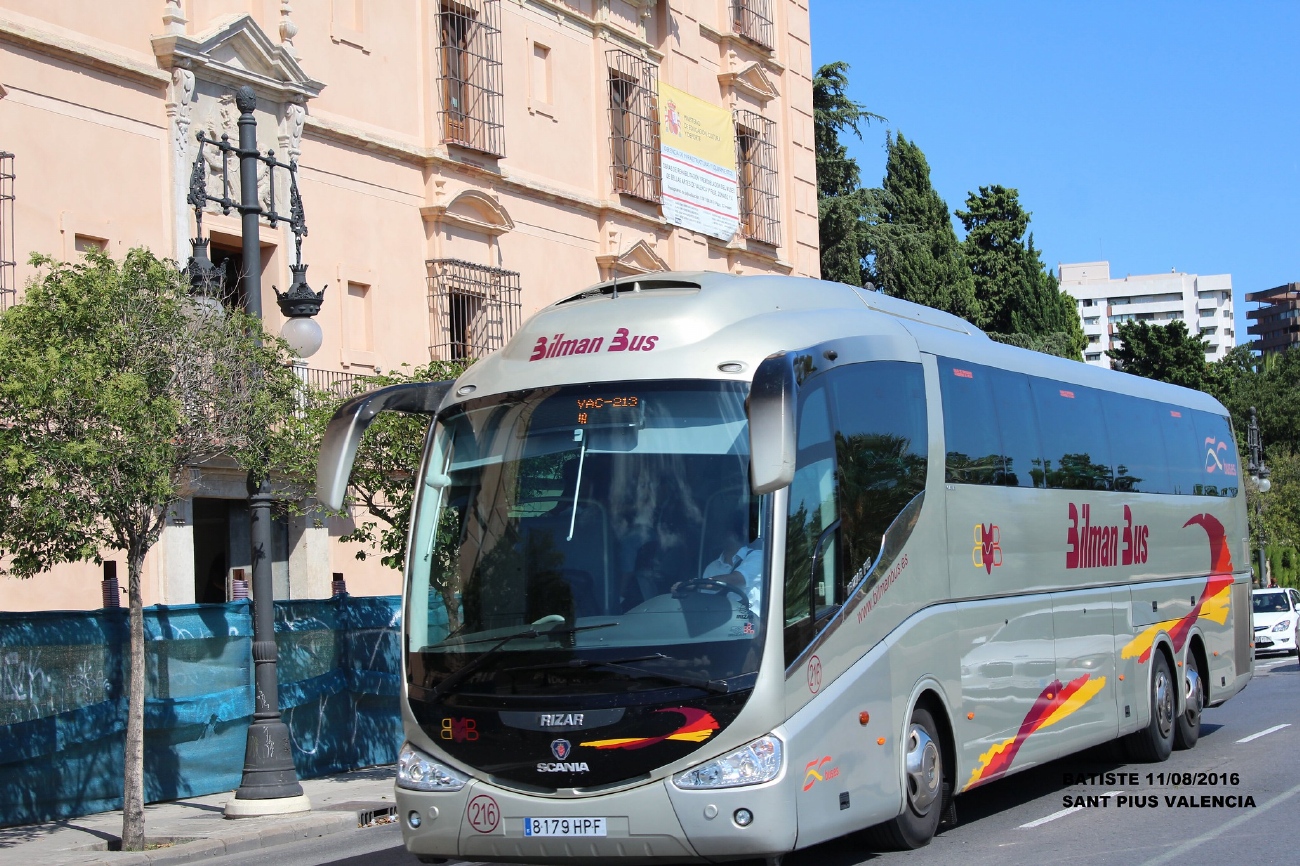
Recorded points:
303,335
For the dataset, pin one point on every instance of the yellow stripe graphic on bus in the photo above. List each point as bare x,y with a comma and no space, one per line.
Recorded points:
1053,704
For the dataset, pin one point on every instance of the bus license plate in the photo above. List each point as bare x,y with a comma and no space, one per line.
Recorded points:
564,826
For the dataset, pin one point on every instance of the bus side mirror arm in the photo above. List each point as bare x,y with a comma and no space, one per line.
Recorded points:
343,435
772,445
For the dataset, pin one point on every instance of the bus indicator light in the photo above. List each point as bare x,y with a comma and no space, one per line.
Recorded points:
864,717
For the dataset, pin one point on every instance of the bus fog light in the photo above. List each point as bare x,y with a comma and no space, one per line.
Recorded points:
414,820
416,771
743,817
752,764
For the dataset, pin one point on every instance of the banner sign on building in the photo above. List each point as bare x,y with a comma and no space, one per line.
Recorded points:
698,154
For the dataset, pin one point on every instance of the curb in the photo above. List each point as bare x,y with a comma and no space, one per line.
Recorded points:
239,842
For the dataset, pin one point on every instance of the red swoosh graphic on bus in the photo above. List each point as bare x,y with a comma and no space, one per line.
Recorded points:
1053,704
1213,603
699,726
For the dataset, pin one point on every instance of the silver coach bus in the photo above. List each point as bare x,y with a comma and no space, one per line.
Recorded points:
714,567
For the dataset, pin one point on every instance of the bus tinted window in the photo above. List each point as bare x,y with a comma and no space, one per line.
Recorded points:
970,424
1022,452
1219,466
1186,459
881,455
812,510
1075,451
1137,447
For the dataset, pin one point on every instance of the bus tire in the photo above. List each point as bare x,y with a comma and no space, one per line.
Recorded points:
1155,742
923,773
1188,730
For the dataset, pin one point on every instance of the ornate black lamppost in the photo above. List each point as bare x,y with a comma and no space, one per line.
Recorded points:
1258,474
270,783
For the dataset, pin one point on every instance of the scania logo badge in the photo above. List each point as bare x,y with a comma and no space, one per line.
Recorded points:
560,749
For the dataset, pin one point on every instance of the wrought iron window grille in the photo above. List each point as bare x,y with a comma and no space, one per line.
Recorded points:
471,108
752,19
476,309
8,265
634,125
760,215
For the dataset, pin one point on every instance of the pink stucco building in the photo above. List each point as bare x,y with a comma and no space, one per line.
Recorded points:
462,162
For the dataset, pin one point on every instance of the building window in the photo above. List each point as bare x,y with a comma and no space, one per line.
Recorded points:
752,19
469,69
756,170
633,125
358,317
476,308
8,288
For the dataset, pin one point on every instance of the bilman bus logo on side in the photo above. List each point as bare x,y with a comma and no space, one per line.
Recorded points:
1091,546
622,341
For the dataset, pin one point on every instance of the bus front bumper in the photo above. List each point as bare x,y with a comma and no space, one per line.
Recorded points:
653,823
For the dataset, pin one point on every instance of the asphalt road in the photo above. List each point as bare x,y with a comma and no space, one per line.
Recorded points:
1025,820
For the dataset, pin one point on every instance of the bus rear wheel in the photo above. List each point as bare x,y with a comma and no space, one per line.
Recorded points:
1155,742
1188,730
924,793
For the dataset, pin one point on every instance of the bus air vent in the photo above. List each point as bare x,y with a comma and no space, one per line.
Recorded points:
634,286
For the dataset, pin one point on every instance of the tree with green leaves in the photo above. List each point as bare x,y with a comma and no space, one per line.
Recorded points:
841,202
1167,353
916,253
114,383
1017,294
382,484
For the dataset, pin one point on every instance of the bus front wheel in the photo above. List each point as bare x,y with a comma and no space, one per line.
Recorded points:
923,773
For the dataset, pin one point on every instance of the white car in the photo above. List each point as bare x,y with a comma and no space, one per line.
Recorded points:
1277,620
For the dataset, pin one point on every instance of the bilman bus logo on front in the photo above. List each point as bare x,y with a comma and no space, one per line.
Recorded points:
622,341
987,553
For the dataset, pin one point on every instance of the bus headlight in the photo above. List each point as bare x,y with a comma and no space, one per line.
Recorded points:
416,771
752,764
1283,625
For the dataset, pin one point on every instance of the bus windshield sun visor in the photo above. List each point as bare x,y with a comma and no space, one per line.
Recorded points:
349,423
772,444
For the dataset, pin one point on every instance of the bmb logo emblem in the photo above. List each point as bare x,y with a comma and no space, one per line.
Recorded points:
560,749
987,553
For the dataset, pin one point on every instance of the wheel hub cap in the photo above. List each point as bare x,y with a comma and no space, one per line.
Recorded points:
1195,696
923,776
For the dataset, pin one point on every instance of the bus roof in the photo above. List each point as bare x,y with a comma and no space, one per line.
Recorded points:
689,325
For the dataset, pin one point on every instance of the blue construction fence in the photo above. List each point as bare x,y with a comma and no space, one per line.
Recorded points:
63,702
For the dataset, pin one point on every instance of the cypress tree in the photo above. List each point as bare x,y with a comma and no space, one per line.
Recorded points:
917,255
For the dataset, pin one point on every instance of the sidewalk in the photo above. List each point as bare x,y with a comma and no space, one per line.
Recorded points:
198,829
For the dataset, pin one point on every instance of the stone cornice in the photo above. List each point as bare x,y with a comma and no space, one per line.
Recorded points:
499,178
265,65
593,27
729,42
81,53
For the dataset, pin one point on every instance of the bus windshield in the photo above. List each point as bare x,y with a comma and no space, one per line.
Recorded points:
588,539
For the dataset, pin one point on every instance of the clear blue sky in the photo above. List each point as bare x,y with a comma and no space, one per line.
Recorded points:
1154,135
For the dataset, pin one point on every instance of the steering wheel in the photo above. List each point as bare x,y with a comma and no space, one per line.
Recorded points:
697,584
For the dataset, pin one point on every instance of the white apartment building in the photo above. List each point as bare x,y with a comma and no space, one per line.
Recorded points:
1203,302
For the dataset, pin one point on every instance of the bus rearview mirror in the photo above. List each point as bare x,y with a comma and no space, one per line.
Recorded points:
343,435
772,445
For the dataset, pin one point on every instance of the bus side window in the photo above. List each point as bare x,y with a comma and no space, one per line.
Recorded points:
1075,449
1186,458
970,426
1136,444
1022,451
880,444
812,511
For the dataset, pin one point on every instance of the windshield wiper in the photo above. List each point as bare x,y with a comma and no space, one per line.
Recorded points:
716,686
455,678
